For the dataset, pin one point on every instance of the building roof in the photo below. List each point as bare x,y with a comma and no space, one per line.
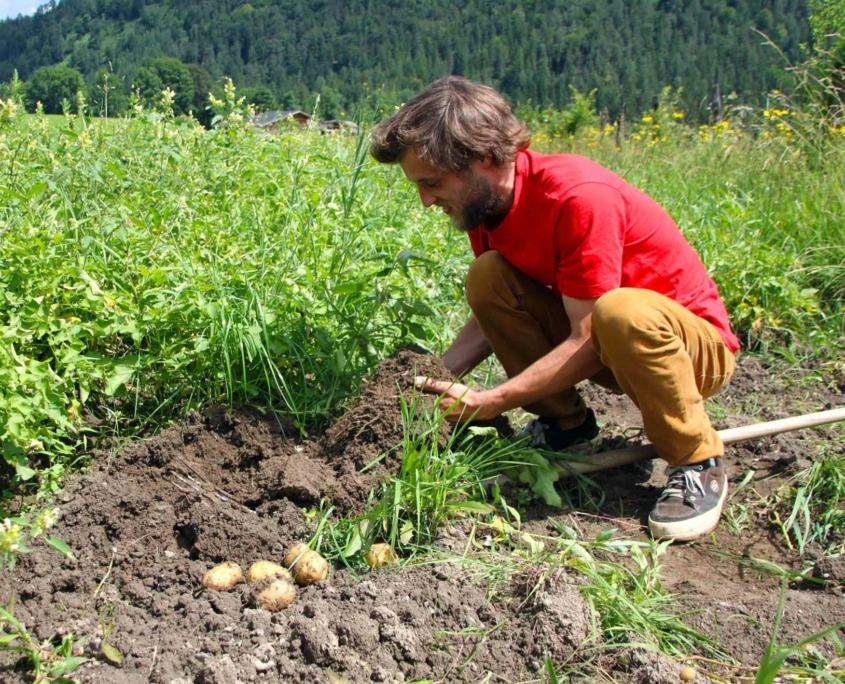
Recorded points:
268,118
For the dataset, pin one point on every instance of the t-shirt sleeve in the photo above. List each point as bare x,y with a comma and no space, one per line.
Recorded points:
589,239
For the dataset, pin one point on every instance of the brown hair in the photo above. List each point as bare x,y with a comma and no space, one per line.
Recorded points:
451,123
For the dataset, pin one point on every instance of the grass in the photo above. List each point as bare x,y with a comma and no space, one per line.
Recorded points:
811,509
437,482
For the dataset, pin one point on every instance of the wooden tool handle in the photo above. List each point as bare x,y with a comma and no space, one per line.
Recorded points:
620,457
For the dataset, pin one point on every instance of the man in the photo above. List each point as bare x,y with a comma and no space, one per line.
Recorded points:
578,275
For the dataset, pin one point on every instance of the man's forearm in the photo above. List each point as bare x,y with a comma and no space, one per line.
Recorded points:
468,350
566,365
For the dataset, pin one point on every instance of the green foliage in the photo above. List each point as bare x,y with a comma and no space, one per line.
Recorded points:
53,86
149,265
620,580
576,119
437,482
260,97
625,52
813,509
166,73
108,94
204,86
827,21
775,657
631,602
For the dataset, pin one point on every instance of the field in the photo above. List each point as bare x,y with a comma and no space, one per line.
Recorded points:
206,357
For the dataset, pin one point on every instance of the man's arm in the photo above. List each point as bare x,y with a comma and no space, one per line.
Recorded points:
563,367
468,350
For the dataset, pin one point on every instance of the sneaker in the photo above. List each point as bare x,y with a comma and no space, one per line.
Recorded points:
691,504
545,433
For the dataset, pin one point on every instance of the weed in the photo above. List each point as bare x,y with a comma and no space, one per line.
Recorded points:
775,657
812,511
436,482
49,662
16,535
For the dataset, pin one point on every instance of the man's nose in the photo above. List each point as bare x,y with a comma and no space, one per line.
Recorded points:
426,196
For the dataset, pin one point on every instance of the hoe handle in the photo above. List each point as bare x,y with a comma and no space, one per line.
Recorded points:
613,459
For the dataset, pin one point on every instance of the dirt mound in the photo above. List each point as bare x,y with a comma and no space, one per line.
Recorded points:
146,523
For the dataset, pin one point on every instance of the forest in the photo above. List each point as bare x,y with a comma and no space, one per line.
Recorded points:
283,53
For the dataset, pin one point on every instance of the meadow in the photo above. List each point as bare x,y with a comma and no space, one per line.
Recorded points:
149,268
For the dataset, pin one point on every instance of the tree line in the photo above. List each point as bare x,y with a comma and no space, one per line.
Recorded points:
283,53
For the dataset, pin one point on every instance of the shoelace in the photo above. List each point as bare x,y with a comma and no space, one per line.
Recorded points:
682,484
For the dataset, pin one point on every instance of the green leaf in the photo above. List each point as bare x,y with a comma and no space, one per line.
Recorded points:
119,377
606,535
489,431
112,653
65,665
23,472
541,476
353,546
59,545
351,287
406,534
473,507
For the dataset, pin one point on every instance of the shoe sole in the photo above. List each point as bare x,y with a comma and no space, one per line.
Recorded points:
692,529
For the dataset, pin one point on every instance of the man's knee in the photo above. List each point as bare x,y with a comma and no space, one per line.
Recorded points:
484,272
626,322
615,312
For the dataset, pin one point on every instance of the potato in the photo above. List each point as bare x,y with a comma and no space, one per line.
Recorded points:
294,553
306,566
263,569
275,594
687,674
223,577
380,555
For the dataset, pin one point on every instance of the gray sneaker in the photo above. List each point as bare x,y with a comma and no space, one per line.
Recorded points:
691,504
544,433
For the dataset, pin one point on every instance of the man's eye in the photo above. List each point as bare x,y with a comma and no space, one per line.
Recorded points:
431,184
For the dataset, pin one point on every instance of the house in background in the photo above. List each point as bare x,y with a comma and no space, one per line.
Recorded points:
273,121
338,126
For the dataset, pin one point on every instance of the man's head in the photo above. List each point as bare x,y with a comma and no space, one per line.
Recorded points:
457,141
450,124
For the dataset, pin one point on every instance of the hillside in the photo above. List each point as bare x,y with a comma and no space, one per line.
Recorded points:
343,49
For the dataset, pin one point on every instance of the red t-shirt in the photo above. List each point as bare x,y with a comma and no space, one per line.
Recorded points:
580,229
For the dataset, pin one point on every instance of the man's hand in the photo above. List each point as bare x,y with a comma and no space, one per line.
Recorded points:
459,402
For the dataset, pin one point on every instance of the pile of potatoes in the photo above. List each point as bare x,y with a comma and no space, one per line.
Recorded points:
272,584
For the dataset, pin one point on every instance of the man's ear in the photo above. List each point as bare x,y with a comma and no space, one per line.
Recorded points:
484,164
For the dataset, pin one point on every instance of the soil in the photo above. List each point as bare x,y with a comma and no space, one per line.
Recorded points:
146,522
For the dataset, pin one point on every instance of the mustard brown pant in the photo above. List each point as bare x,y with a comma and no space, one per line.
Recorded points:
664,357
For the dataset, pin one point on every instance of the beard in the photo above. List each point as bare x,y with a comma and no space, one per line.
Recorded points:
482,206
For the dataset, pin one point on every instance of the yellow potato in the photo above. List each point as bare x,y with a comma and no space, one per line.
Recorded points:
277,595
223,577
380,555
306,566
294,553
263,569
687,674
